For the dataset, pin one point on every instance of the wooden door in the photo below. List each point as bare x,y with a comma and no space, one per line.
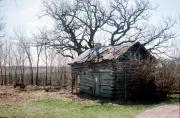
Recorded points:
97,84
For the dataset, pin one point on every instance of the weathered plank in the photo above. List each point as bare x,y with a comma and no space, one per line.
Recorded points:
86,89
107,87
105,95
87,84
107,82
107,76
87,80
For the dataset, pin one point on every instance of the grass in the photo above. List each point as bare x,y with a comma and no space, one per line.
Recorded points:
53,108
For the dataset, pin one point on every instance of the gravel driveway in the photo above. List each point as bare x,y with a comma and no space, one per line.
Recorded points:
166,111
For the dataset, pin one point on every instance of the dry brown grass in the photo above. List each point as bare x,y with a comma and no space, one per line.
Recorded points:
8,93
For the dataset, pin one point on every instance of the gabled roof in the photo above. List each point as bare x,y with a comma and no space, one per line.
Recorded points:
105,53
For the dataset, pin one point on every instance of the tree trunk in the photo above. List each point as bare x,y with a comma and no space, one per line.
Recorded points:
5,76
46,74
32,81
37,72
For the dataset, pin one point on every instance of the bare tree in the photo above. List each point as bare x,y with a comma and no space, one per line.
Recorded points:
39,43
26,45
48,57
59,71
10,62
42,51
5,57
51,60
20,58
45,59
16,67
78,23
2,25
76,26
1,62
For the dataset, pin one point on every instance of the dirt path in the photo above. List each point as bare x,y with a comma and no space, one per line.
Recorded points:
166,111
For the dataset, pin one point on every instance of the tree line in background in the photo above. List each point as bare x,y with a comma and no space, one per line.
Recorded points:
30,61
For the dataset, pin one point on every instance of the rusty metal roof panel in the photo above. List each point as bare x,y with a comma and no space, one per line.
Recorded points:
106,53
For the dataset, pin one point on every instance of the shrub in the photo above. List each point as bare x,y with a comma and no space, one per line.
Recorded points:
151,80
165,77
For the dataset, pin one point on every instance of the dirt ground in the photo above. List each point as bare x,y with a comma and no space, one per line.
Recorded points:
166,111
8,93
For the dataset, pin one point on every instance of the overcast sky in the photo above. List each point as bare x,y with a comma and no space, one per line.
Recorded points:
25,13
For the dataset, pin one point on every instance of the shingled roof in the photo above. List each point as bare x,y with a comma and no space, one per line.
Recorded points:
105,53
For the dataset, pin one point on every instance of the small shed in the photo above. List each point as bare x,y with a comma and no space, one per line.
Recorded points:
103,71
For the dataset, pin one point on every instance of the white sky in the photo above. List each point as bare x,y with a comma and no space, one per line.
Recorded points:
25,14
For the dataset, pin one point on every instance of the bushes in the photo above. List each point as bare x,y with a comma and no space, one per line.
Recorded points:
151,80
165,78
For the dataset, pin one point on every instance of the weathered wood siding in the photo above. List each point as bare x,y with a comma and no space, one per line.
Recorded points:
110,83
87,83
119,81
106,76
95,79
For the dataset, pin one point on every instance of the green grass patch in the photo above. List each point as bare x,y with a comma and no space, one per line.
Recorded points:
52,108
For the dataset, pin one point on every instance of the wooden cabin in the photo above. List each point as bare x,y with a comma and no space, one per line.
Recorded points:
105,71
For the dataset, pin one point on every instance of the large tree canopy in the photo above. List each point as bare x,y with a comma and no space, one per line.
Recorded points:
78,22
